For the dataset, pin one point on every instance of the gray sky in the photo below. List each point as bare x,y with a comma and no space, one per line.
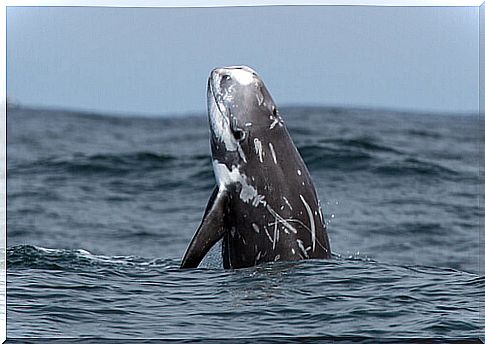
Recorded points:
157,60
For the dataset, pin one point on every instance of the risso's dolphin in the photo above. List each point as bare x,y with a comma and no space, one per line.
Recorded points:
264,207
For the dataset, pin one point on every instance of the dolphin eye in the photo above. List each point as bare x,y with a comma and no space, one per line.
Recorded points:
225,78
239,134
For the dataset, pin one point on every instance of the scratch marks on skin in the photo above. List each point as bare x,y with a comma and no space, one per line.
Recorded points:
280,219
258,257
275,121
276,234
302,248
260,98
249,194
268,235
288,203
304,226
258,147
258,199
272,152
312,221
320,213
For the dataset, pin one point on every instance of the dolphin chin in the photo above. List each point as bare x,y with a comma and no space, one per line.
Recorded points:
264,206
219,121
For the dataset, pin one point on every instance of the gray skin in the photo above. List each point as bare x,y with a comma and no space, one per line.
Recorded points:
264,207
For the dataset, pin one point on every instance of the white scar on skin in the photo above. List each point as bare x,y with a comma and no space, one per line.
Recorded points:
299,172
309,230
312,220
280,219
260,98
288,203
267,234
287,225
225,177
243,76
220,125
256,228
221,128
275,234
258,199
259,149
275,121
272,152
320,213
302,248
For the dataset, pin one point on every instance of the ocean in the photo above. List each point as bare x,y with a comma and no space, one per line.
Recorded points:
100,210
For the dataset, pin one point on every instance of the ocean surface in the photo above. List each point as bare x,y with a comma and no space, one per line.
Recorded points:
100,210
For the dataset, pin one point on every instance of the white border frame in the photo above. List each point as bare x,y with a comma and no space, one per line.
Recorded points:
146,3
233,3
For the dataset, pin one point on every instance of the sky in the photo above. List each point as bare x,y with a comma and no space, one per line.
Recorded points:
156,61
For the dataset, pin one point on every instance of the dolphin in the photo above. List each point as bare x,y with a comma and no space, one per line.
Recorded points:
264,206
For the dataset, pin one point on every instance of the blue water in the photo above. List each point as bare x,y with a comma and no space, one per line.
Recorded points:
100,210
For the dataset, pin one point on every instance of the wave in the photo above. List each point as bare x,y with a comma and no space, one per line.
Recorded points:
412,166
365,143
111,164
359,155
78,260
321,157
122,293
341,154
34,257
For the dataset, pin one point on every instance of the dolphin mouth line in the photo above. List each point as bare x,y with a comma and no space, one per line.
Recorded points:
226,114
222,123
215,98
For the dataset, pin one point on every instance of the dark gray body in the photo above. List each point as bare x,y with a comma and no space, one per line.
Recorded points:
265,207
283,188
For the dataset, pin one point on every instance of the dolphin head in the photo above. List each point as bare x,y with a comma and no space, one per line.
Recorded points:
238,104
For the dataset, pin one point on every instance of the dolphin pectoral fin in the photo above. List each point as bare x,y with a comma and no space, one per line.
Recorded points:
209,232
